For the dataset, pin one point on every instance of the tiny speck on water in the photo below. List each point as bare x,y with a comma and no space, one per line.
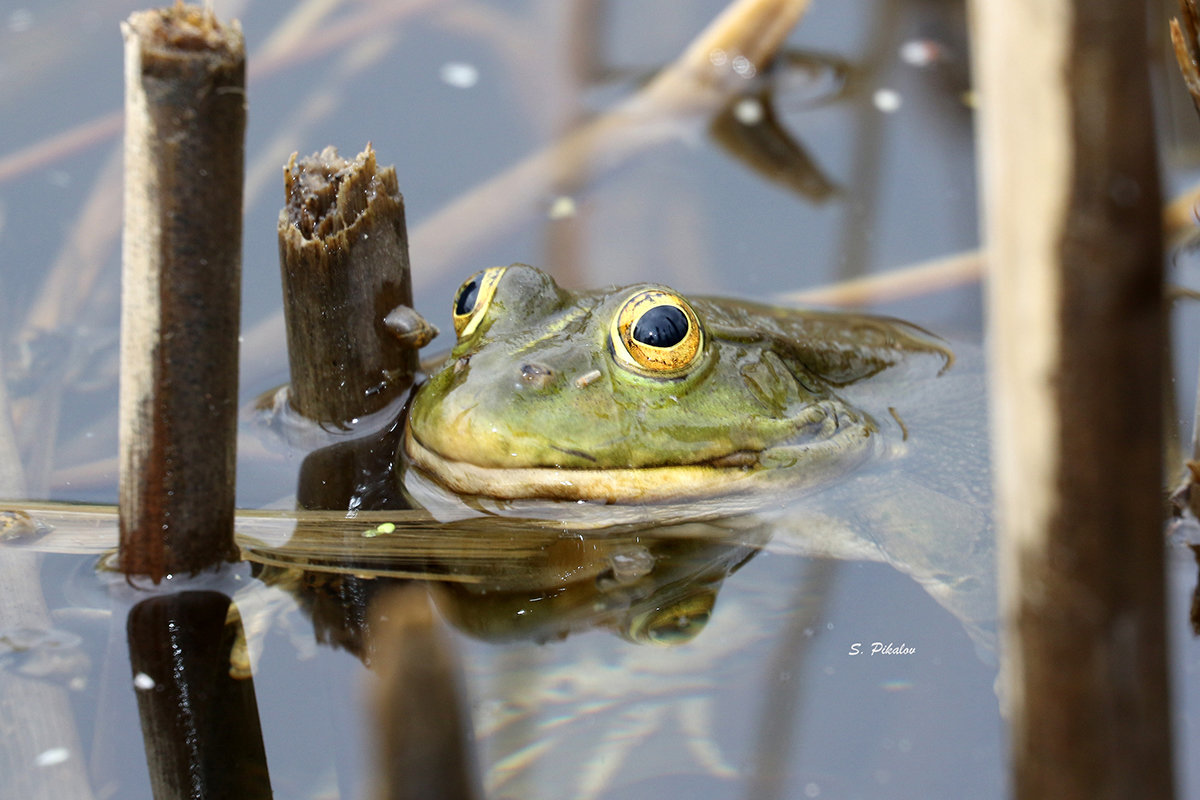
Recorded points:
143,681
459,74
811,789
748,111
887,100
921,52
563,207
53,756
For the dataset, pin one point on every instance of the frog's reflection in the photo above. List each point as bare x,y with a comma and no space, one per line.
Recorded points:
654,587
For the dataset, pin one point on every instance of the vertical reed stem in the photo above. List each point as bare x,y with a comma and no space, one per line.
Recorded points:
343,252
1074,235
185,122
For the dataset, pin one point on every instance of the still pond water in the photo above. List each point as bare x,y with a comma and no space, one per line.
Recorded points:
780,694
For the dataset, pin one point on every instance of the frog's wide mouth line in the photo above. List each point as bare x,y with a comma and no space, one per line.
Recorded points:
798,465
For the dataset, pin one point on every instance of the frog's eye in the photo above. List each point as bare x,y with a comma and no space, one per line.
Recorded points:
657,333
673,624
472,299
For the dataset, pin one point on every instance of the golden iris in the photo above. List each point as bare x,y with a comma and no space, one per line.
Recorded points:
472,299
657,333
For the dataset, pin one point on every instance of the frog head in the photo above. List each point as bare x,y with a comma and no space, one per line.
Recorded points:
637,394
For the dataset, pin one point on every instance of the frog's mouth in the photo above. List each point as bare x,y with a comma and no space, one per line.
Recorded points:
797,465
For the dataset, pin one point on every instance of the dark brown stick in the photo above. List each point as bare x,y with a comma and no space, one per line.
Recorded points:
343,252
1075,256
196,698
185,123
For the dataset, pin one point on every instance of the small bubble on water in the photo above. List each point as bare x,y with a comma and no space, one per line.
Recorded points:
459,74
922,52
748,111
55,755
887,100
563,207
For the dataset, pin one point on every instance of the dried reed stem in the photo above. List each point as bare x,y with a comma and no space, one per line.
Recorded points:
343,253
185,123
1074,230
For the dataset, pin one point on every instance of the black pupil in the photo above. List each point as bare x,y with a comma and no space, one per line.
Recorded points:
465,303
661,326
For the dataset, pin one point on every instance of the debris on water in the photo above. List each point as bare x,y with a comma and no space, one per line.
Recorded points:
52,757
43,653
631,564
459,74
382,529
20,526
563,207
923,52
887,100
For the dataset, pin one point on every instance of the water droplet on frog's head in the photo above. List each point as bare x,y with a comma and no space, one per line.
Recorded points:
536,375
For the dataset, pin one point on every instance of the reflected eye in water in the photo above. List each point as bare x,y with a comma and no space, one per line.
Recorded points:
473,298
657,333
673,624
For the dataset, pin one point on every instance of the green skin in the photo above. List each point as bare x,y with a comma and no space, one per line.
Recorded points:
533,403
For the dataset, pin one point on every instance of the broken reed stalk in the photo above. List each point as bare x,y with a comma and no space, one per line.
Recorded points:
185,125
424,739
343,253
1074,238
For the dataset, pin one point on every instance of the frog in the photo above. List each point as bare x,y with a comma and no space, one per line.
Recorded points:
626,406
638,395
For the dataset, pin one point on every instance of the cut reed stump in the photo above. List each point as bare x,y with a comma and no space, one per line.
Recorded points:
1074,237
343,252
185,126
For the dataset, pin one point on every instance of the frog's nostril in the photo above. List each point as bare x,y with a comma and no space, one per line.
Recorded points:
536,375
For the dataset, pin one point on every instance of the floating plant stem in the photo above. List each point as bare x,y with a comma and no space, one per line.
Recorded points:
343,252
181,285
1074,237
